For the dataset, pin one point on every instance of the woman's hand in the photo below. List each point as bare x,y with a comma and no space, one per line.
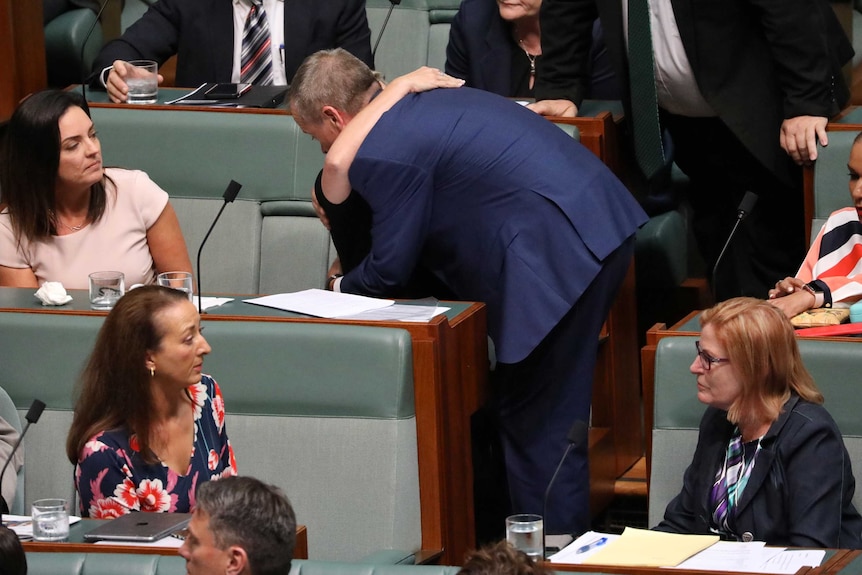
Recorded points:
786,287
794,303
422,80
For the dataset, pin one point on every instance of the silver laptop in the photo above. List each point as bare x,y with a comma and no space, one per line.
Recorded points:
139,527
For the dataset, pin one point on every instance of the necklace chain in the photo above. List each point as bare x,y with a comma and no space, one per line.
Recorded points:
65,225
530,57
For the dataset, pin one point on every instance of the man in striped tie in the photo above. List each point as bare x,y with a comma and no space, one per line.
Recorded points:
255,41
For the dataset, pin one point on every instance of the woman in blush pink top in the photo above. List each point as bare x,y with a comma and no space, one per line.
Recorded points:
64,216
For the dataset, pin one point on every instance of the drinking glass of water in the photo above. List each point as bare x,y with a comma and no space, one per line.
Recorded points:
143,82
50,520
177,280
526,532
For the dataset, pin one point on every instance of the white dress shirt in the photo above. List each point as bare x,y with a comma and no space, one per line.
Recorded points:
275,18
676,86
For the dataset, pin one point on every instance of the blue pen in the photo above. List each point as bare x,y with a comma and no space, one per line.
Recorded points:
597,543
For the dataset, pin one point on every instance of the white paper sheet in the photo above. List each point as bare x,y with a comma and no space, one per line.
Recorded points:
211,302
569,554
732,556
791,560
400,312
169,541
22,525
321,303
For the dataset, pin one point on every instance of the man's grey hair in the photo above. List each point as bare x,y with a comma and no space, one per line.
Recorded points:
334,78
247,512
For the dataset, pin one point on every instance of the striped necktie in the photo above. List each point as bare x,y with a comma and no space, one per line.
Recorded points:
646,128
256,59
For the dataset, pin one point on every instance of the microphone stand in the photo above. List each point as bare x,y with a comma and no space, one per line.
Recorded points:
88,77
229,195
33,415
392,5
745,206
576,436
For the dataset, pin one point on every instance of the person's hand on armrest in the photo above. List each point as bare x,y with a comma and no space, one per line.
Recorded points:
118,90
562,108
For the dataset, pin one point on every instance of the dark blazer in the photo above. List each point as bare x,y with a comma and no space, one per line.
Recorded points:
481,45
200,33
498,203
756,62
799,492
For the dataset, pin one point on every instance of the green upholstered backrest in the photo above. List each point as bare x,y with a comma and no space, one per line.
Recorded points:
835,366
305,402
193,154
416,34
65,37
830,178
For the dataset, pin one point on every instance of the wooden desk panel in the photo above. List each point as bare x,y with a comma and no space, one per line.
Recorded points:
77,545
22,53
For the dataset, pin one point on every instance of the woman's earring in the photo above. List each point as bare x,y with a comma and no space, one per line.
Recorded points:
152,371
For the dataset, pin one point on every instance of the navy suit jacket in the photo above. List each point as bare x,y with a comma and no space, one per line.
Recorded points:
799,493
756,62
498,203
481,45
200,33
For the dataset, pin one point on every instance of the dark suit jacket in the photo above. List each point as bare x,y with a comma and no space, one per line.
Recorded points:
799,492
481,45
756,62
200,33
498,203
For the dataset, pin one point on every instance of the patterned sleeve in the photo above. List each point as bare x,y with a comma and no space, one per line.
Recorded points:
227,460
104,481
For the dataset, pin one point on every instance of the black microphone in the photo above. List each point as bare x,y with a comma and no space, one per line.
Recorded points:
229,195
745,206
33,415
392,5
90,76
577,437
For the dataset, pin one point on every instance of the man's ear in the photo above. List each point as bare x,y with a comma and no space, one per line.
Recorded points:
334,116
237,561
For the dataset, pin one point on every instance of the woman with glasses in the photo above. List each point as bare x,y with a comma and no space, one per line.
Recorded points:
770,464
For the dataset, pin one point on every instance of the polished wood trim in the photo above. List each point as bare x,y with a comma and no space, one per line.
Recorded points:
22,53
300,551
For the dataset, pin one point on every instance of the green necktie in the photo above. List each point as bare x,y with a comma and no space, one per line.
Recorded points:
645,123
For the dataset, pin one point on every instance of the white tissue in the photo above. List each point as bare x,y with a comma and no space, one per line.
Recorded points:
53,293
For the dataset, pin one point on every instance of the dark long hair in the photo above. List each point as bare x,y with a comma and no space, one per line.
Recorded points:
29,160
115,389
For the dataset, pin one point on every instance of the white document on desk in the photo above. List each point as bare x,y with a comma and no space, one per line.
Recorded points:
169,541
321,303
732,556
400,312
569,554
791,560
23,526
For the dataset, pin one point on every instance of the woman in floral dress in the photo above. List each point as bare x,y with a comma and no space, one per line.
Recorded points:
148,425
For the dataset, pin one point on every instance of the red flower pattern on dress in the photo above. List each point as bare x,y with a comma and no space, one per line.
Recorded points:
111,464
106,509
198,393
231,459
126,494
218,410
152,496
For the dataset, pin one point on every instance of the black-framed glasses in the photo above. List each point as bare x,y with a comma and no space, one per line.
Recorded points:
707,360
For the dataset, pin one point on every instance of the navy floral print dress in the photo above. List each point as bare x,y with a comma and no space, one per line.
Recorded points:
112,478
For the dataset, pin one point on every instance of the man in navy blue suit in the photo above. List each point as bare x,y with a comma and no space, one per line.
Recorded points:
502,207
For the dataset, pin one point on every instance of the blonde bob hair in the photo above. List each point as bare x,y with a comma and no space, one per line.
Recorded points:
760,343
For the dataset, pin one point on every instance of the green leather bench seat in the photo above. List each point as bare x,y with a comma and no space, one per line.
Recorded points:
309,408
830,176
833,364
131,564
